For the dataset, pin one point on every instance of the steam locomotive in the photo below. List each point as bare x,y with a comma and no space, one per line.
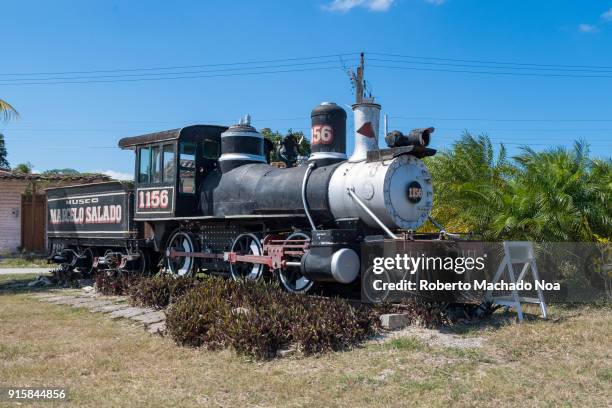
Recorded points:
206,198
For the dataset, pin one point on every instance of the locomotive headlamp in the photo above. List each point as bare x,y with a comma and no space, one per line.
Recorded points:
416,137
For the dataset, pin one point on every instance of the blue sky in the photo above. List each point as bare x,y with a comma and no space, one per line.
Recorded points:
78,125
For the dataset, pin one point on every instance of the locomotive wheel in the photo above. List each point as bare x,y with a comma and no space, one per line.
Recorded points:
291,276
375,296
98,253
115,262
138,266
247,244
181,265
89,268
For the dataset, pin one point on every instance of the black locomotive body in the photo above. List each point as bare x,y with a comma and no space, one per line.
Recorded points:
207,198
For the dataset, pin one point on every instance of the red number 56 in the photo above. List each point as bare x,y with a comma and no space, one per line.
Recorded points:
322,134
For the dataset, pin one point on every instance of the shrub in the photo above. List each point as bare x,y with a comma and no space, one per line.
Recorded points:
260,332
159,291
258,319
197,318
114,283
330,324
428,314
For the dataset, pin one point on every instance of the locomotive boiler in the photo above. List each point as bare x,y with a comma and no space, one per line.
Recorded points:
206,198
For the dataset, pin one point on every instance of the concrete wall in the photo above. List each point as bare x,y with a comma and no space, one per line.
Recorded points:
10,214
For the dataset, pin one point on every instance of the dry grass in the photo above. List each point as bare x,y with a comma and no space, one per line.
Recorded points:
24,262
564,361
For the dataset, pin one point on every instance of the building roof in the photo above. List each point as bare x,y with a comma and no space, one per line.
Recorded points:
14,175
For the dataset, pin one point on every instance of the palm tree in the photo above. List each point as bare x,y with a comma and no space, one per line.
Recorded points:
25,168
7,112
470,182
555,195
558,195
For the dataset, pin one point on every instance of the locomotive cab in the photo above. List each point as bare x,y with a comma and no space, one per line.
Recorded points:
169,167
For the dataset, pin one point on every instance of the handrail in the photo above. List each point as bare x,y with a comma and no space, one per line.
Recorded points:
352,193
304,200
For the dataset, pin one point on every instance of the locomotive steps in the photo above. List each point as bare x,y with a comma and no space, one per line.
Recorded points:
117,307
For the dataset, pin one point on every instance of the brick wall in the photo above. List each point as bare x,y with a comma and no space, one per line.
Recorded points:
10,225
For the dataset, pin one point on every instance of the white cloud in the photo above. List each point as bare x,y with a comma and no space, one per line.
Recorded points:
117,175
607,16
436,2
587,28
346,5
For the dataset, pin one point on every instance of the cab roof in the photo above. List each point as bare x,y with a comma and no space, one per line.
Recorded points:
190,133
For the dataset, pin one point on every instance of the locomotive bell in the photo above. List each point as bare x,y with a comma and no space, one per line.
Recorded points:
241,144
328,137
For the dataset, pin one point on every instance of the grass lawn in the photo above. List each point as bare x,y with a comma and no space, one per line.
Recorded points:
23,262
561,362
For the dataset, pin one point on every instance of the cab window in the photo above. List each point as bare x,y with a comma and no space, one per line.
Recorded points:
168,162
144,166
187,167
156,165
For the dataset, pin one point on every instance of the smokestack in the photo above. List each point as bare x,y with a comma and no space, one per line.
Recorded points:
367,117
366,114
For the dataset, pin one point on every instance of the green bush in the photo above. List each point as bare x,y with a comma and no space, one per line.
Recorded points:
258,319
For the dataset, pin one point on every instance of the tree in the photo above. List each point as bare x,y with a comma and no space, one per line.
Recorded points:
7,112
296,139
60,172
470,182
24,168
275,138
558,195
303,142
4,164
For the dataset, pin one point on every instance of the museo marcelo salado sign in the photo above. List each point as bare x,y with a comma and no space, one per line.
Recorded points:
463,271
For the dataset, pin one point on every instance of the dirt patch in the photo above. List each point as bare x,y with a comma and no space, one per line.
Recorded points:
433,337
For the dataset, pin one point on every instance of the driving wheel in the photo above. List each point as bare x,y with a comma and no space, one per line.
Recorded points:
247,244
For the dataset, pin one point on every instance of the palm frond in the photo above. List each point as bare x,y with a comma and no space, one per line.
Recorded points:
7,112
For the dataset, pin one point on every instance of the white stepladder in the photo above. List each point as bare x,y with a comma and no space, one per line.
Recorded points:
517,252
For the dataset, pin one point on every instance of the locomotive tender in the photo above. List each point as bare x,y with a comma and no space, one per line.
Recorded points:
206,198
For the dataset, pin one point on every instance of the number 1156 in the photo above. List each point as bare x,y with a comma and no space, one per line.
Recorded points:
153,199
